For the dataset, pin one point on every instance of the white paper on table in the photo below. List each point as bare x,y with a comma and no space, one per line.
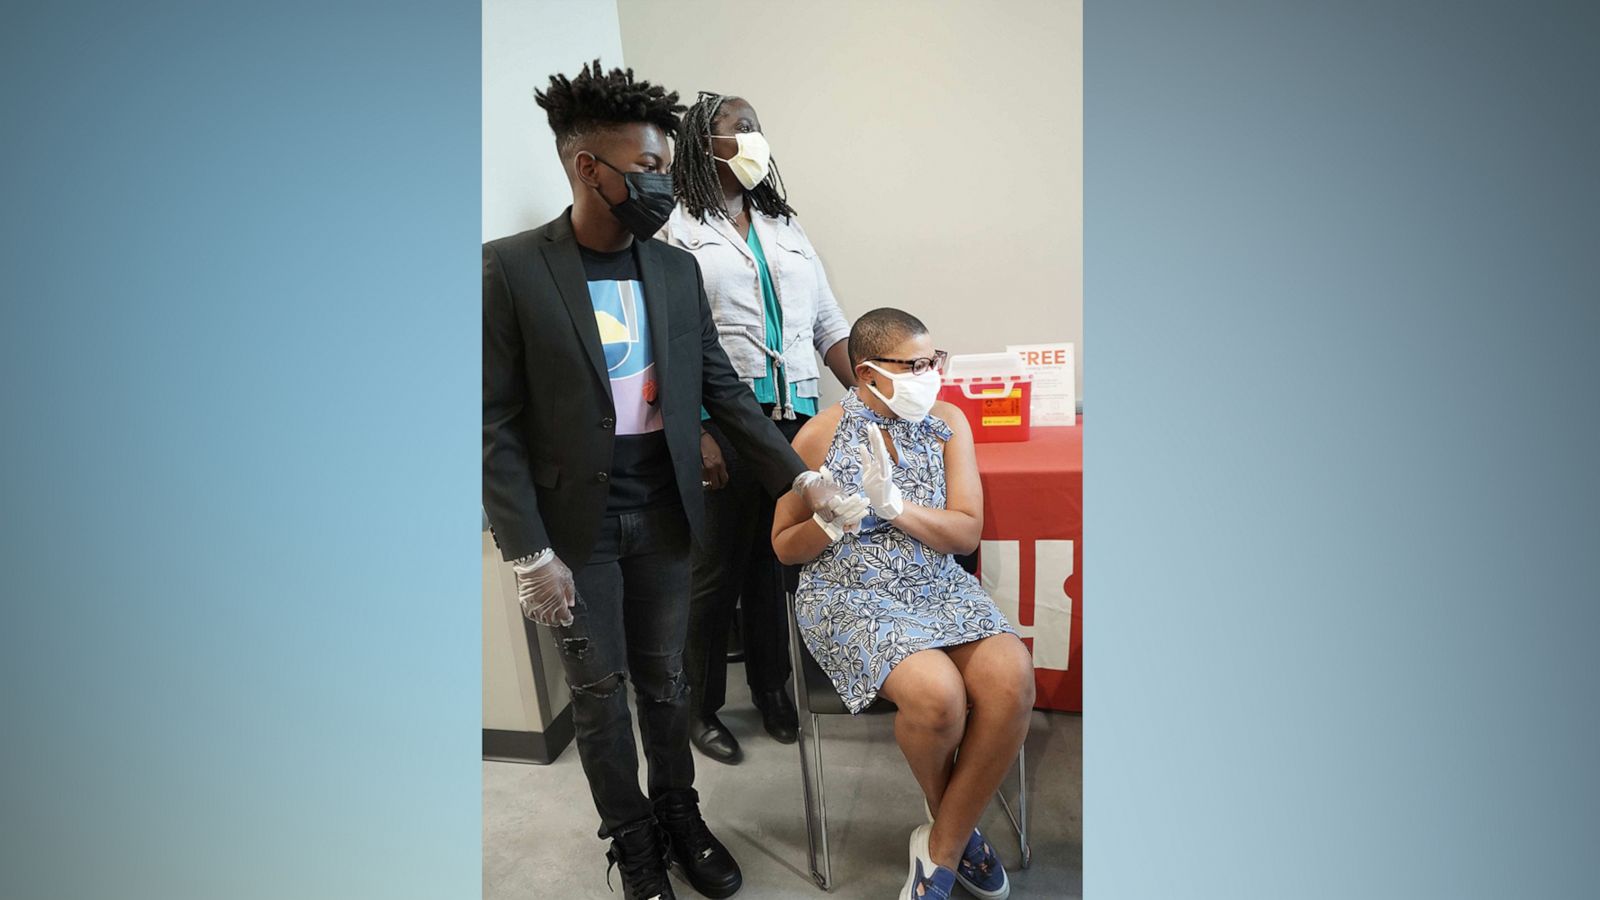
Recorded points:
1055,396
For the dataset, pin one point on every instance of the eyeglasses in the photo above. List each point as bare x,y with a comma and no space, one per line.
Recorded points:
921,365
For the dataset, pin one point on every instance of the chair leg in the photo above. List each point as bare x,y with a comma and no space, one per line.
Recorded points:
810,746
1022,806
1019,815
816,801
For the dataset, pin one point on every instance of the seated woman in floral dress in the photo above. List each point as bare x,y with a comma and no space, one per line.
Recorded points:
886,609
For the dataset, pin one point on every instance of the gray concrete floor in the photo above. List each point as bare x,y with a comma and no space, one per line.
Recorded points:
539,822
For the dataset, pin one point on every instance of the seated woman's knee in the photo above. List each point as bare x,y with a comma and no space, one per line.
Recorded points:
937,703
1025,697
1004,678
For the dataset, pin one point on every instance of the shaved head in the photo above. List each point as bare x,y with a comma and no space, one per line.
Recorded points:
879,331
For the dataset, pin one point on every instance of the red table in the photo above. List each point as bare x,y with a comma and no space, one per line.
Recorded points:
1031,560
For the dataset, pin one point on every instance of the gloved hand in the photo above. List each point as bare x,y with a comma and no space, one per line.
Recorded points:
836,512
877,478
545,589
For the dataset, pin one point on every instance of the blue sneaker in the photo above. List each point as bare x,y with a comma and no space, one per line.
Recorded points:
980,871
926,881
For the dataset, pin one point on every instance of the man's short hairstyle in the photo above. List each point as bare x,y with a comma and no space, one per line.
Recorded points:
593,101
878,331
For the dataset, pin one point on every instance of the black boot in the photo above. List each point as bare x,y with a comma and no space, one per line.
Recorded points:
642,860
713,738
706,864
778,715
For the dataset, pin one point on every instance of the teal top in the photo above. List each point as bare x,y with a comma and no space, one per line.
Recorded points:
766,387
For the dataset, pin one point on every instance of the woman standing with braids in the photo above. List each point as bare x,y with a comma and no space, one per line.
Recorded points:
771,301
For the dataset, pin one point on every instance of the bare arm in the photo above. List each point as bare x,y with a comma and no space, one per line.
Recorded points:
958,527
838,361
796,537
830,330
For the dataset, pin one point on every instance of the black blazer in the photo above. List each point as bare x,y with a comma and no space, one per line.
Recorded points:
549,426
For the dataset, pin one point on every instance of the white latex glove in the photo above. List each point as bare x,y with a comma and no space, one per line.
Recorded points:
835,511
545,589
877,478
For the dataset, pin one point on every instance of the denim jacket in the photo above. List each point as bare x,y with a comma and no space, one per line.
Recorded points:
812,319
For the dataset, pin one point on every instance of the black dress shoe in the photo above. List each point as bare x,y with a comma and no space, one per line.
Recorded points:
713,738
693,849
778,715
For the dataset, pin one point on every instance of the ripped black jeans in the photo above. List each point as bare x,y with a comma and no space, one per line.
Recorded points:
630,622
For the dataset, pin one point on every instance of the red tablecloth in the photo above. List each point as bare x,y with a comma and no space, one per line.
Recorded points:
1031,560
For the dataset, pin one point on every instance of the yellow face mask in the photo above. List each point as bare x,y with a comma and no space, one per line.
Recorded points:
751,164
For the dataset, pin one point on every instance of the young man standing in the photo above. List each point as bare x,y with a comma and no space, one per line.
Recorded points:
599,351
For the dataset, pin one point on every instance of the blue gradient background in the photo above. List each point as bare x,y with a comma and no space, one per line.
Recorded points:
239,649
1343,285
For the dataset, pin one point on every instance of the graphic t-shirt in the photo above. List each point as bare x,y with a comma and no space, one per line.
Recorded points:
641,469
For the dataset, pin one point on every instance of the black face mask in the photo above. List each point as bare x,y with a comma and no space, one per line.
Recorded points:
649,202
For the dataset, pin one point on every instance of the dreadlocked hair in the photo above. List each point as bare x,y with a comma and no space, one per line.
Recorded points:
694,173
596,100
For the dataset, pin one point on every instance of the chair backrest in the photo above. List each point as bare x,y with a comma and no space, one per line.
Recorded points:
819,696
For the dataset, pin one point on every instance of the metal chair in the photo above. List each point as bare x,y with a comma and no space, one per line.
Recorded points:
816,697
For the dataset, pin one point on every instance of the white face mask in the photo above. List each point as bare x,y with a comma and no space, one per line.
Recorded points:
754,158
913,394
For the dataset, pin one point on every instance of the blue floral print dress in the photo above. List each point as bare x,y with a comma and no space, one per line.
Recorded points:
873,598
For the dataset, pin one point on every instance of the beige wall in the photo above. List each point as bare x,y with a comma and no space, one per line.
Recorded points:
511,701
934,150
524,43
